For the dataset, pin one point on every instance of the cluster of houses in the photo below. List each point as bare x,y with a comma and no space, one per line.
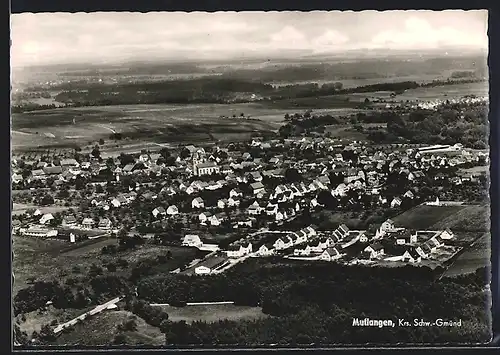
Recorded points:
388,244
334,171
42,226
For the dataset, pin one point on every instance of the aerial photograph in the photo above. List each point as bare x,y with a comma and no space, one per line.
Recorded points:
243,179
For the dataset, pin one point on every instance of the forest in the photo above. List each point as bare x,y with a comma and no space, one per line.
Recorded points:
316,303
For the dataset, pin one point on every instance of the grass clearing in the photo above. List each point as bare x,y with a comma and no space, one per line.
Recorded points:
424,217
213,313
20,208
473,218
476,256
101,329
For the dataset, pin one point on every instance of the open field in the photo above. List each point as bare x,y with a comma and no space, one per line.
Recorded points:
212,313
444,92
36,319
55,259
162,124
20,208
474,257
101,329
473,219
423,216
478,169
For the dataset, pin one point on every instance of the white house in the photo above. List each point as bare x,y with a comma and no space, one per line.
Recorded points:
387,226
158,211
204,216
87,223
40,232
406,238
192,240
172,210
264,251
104,224
238,252
254,209
46,218
330,254
284,243
447,234
215,220
202,270
232,202
235,193
375,250
396,202
197,203
257,187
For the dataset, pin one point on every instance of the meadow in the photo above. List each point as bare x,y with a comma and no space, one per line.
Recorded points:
212,313
424,217
474,257
47,259
102,328
445,92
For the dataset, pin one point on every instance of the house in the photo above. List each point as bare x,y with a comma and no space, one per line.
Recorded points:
222,203
87,223
207,168
271,209
279,216
340,190
197,203
16,178
235,193
104,224
387,226
172,210
409,194
202,270
192,240
239,251
255,176
406,237
204,216
424,251
69,163
216,220
284,243
411,256
341,232
447,234
69,221
254,209
396,202
330,254
46,218
257,187
159,211
116,203
231,202
375,250
40,232
264,250
52,170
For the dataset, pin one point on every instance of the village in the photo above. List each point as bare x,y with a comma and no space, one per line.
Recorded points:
242,200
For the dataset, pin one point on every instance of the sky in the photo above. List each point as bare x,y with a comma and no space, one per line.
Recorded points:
63,38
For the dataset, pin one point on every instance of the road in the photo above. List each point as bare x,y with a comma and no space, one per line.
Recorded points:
81,317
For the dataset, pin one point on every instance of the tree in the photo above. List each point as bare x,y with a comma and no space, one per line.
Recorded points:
101,141
292,175
120,339
47,200
96,152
